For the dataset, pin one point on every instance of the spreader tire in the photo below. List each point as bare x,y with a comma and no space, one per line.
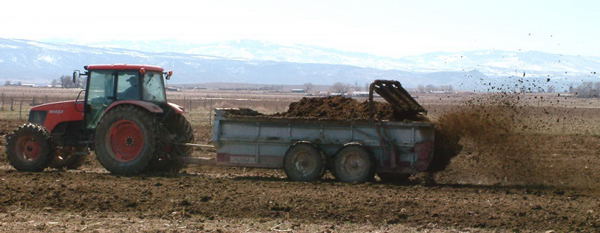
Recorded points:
126,139
303,162
172,158
28,148
353,164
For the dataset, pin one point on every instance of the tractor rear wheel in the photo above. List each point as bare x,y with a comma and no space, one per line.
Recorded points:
172,158
353,164
69,157
28,148
303,162
126,140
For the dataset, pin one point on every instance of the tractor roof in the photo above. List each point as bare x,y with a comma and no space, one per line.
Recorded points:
123,67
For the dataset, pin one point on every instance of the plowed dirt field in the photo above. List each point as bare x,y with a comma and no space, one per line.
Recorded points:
554,189
238,199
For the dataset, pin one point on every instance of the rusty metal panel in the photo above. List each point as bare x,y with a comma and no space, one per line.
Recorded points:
263,142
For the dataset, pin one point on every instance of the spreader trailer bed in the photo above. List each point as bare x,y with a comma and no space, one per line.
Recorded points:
353,150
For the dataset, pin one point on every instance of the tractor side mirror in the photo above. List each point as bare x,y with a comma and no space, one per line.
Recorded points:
76,75
168,74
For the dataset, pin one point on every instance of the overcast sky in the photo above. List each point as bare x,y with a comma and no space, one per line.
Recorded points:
392,28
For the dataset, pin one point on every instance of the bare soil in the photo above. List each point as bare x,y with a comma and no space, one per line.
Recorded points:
237,199
263,195
508,180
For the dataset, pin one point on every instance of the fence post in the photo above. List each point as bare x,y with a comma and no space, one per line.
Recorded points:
20,109
2,106
210,117
210,108
12,104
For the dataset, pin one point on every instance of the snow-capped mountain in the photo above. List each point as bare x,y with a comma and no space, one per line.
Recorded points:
264,63
507,63
40,62
489,62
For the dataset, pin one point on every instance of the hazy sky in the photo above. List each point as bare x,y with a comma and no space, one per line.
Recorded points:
391,28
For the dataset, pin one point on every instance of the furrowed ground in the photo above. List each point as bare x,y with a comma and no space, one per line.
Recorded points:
551,185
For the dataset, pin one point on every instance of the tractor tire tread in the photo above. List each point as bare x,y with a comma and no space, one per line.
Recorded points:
140,164
46,155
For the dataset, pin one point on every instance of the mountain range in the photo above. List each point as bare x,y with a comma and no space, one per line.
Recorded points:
490,62
248,61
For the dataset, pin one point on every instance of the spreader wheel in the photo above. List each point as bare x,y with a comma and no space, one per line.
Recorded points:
28,148
353,164
303,162
126,140
69,157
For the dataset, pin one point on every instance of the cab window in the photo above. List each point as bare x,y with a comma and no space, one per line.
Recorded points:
101,86
153,87
128,86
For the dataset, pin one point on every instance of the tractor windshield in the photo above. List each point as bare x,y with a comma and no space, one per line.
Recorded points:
154,89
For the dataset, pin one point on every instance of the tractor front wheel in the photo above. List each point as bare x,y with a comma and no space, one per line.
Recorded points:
28,148
126,140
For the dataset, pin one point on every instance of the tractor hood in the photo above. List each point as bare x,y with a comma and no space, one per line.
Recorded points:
61,105
51,114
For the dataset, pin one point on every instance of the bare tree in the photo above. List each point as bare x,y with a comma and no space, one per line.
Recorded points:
66,81
429,88
339,87
54,83
446,88
7,83
308,87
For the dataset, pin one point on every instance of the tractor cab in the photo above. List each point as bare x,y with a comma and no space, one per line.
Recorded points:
110,84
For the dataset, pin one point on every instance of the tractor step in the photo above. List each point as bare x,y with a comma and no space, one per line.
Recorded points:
200,160
204,146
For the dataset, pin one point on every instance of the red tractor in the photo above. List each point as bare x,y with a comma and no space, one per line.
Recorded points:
124,117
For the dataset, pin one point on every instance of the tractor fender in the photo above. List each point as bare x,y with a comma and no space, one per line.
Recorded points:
151,107
178,109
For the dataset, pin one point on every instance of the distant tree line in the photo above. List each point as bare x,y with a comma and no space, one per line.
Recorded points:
10,83
432,88
344,88
586,90
65,81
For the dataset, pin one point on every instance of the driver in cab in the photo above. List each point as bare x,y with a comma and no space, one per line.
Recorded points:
133,91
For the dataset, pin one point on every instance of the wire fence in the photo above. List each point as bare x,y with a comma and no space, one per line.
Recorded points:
199,109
